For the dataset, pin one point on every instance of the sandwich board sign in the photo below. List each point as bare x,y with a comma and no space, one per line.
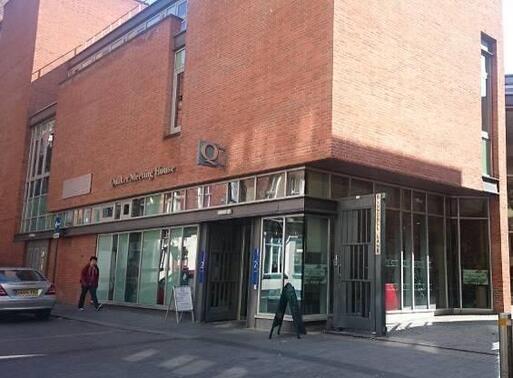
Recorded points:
182,298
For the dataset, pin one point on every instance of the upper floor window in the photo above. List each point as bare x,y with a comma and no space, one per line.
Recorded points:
35,214
487,56
177,100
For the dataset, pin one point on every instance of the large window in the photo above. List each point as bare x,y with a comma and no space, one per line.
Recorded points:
143,267
35,214
487,51
286,260
178,81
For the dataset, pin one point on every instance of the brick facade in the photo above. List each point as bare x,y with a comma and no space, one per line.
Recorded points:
389,87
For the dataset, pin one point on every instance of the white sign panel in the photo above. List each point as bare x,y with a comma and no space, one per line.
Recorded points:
183,298
76,186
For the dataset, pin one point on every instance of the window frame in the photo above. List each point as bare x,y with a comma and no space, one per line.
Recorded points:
488,48
174,129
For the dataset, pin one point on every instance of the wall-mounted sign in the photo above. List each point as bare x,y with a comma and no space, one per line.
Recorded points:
211,154
202,266
475,277
76,186
378,224
255,262
150,174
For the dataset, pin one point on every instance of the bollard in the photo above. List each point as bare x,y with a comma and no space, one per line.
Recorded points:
505,347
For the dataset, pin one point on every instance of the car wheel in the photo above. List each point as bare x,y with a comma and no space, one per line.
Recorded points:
43,314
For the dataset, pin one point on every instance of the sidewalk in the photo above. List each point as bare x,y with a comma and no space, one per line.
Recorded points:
466,333
444,348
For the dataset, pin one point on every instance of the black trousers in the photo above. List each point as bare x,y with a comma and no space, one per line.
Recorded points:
92,292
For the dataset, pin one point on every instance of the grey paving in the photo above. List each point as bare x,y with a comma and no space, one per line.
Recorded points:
121,343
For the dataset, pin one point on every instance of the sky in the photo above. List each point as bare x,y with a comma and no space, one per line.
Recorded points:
508,35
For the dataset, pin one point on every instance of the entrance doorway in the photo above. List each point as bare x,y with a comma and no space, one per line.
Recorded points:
227,277
358,296
36,255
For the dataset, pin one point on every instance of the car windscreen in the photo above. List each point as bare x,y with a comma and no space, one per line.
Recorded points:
14,275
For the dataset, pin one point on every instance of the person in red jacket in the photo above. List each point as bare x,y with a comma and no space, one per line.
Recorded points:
89,282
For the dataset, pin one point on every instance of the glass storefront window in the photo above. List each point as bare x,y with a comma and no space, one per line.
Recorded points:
143,267
419,202
392,261
289,257
193,198
473,207
153,205
218,194
407,261
121,268
163,264
435,204
392,195
233,192
317,184
361,187
87,216
406,199
138,207
189,255
420,261
436,262
339,187
133,266
247,190
270,186
293,258
295,183
104,260
272,270
475,273
453,264
150,263
315,268
175,254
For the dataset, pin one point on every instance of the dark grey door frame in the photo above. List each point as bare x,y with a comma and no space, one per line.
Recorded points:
358,265
224,254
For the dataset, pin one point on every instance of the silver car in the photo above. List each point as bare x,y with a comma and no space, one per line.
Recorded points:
26,290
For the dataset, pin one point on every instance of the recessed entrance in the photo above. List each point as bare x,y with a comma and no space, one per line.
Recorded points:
227,271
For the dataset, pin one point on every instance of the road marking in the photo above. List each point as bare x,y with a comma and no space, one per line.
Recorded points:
177,361
195,368
141,355
15,356
234,372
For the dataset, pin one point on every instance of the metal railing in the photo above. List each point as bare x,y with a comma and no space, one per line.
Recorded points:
73,52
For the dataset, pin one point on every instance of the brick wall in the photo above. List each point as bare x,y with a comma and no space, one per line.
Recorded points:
55,24
64,24
16,48
259,85
407,83
406,98
72,255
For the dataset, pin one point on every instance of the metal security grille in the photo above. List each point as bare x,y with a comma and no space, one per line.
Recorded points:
223,273
358,295
354,271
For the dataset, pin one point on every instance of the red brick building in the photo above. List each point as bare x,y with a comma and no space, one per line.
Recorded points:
234,147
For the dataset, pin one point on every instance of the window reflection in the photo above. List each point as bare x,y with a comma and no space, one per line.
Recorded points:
271,186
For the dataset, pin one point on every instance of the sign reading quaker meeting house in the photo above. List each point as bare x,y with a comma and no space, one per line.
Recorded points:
149,175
